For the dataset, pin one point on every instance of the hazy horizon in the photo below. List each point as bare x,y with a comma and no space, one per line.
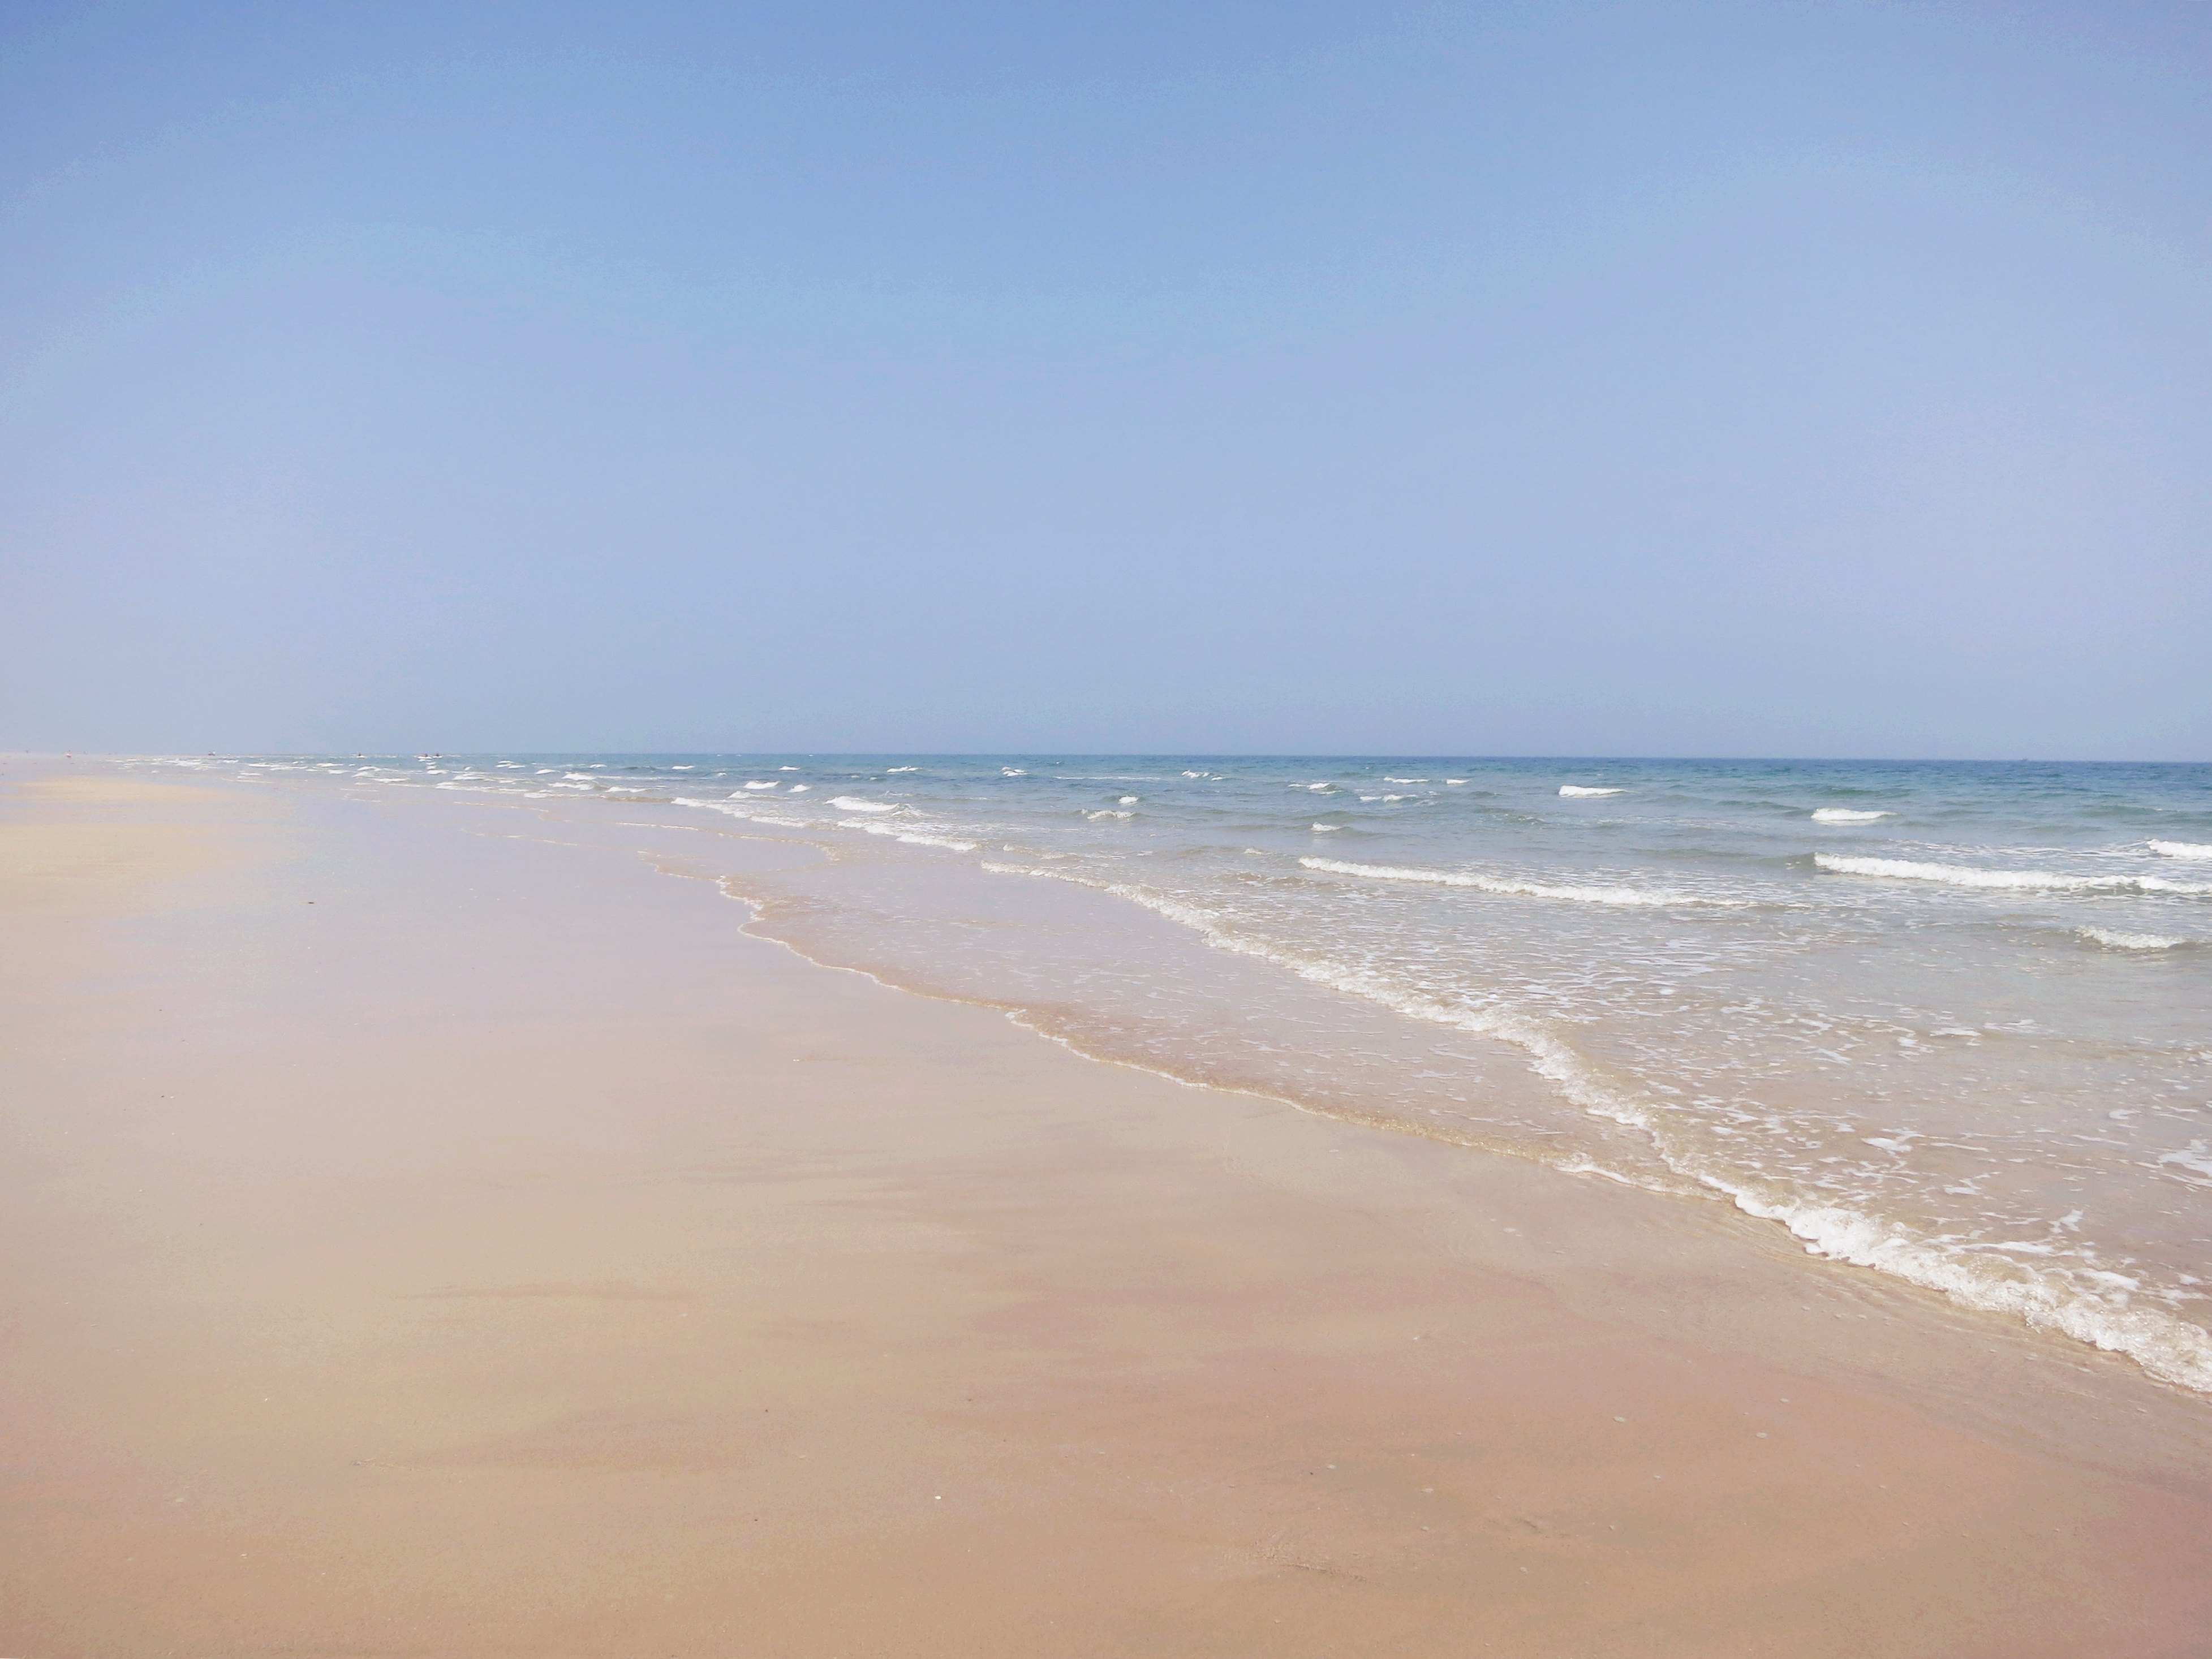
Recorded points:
1593,758
1602,380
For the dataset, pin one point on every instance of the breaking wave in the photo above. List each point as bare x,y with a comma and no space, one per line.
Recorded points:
2029,881
1619,895
2105,937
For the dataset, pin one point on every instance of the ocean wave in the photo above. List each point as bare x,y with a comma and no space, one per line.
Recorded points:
1846,815
856,803
2030,881
1983,1276
729,810
912,837
1614,896
2048,1298
2129,941
1575,792
2181,849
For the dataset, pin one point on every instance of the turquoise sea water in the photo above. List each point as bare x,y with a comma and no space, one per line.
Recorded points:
1950,1021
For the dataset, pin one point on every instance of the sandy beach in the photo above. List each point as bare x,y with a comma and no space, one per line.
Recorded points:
430,1232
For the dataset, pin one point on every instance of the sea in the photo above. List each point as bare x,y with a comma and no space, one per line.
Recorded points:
1950,1022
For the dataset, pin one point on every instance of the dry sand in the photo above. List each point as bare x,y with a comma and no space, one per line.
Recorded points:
427,1235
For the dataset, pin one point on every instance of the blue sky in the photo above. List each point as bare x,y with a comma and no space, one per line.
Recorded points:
1822,380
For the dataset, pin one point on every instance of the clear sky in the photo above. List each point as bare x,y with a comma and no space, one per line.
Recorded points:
1664,379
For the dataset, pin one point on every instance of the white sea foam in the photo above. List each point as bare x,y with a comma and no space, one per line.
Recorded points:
758,785
1108,812
2129,941
2034,881
1615,895
912,837
2181,849
730,810
855,804
1326,829
800,788
1129,800
892,770
1983,1276
1575,792
2198,1160
1012,772
1846,815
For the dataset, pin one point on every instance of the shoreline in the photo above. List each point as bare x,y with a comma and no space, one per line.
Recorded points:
520,1178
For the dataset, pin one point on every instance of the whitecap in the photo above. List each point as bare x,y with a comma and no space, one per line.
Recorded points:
756,785
1326,829
1846,815
2129,941
2181,849
912,837
2041,881
1614,896
744,812
1575,792
854,803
